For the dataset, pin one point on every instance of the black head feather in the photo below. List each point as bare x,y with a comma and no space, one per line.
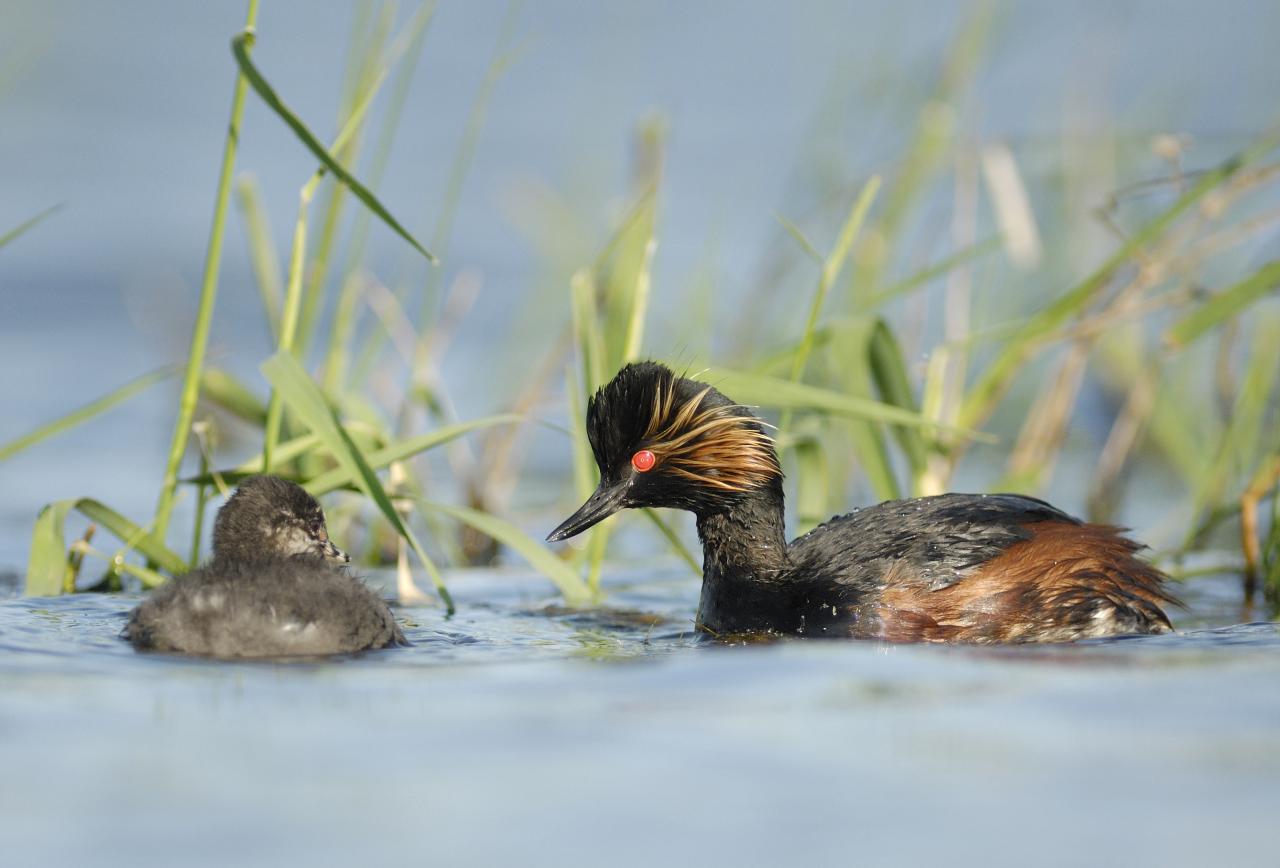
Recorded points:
619,413
706,445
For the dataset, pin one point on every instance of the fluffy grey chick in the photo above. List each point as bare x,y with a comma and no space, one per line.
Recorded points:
274,588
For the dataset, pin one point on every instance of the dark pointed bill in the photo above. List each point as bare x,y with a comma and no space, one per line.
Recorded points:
603,503
333,553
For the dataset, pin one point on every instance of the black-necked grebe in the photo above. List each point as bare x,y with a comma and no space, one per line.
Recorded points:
274,588
949,568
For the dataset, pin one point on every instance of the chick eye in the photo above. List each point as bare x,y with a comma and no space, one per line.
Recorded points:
644,460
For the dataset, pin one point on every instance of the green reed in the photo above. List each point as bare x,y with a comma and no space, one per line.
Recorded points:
208,295
1176,323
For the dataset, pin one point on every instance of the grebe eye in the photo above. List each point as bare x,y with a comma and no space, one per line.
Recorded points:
644,460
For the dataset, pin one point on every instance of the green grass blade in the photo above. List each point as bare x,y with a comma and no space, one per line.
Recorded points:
586,329
262,249
831,268
585,474
641,210
677,545
597,545
47,565
225,391
502,58
133,536
797,235
202,503
1242,440
1184,440
293,313
869,442
28,224
303,397
85,413
1271,550
584,465
930,146
47,568
753,389
993,381
407,448
566,579
639,305
208,295
836,328
1224,305
889,373
938,269
149,578
622,278
307,444
1252,439
873,455
240,46
590,334
813,484
288,320
365,74
342,327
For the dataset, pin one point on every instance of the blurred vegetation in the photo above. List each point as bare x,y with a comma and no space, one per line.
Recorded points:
888,353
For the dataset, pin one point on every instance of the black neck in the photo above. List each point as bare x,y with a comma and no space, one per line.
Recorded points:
744,556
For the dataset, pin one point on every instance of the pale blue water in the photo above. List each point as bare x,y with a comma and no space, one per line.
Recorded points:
514,735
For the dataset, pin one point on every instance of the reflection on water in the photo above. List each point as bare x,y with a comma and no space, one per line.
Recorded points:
514,734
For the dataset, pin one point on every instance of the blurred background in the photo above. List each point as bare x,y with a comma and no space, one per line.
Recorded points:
1012,140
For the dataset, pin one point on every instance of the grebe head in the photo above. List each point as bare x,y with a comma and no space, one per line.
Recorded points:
664,440
271,516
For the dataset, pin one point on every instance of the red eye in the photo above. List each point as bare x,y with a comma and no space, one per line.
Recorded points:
644,460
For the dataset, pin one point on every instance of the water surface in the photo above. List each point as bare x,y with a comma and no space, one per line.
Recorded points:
517,733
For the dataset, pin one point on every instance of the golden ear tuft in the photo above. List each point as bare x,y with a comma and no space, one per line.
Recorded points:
712,446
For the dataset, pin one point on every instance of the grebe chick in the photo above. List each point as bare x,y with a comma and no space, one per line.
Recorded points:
275,587
950,568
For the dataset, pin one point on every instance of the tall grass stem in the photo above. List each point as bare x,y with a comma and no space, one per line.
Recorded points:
208,295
